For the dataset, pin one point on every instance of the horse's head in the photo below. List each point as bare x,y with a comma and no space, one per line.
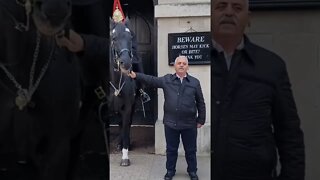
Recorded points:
121,44
50,16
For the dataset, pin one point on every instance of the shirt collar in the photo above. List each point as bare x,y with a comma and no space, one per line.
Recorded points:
245,45
179,76
175,76
219,48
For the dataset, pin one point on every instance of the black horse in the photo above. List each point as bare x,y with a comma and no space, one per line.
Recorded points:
122,88
39,91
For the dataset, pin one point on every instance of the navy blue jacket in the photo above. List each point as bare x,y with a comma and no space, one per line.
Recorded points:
184,105
254,118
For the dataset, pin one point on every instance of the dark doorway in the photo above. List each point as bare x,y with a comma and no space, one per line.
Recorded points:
141,15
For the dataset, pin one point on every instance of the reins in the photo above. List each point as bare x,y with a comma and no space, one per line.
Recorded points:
116,61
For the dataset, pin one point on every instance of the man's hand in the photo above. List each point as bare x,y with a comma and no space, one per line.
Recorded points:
75,42
199,125
132,74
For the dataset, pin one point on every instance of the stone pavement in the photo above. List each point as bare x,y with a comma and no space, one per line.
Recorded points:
152,167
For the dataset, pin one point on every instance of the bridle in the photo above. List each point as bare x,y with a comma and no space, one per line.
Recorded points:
117,54
27,4
24,94
116,57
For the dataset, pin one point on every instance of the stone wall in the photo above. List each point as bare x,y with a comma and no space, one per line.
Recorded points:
295,36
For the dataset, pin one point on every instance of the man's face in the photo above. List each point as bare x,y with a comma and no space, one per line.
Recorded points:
229,17
181,66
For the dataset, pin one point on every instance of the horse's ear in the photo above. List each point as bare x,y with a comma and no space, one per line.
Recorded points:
127,22
126,19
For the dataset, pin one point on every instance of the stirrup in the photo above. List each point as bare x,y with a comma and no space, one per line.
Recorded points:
144,96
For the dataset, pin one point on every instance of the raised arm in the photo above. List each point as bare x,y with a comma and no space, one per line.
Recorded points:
148,80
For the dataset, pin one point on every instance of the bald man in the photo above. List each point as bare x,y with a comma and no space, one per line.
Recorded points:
255,120
184,112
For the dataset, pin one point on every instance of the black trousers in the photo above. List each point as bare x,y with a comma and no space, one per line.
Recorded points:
189,140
